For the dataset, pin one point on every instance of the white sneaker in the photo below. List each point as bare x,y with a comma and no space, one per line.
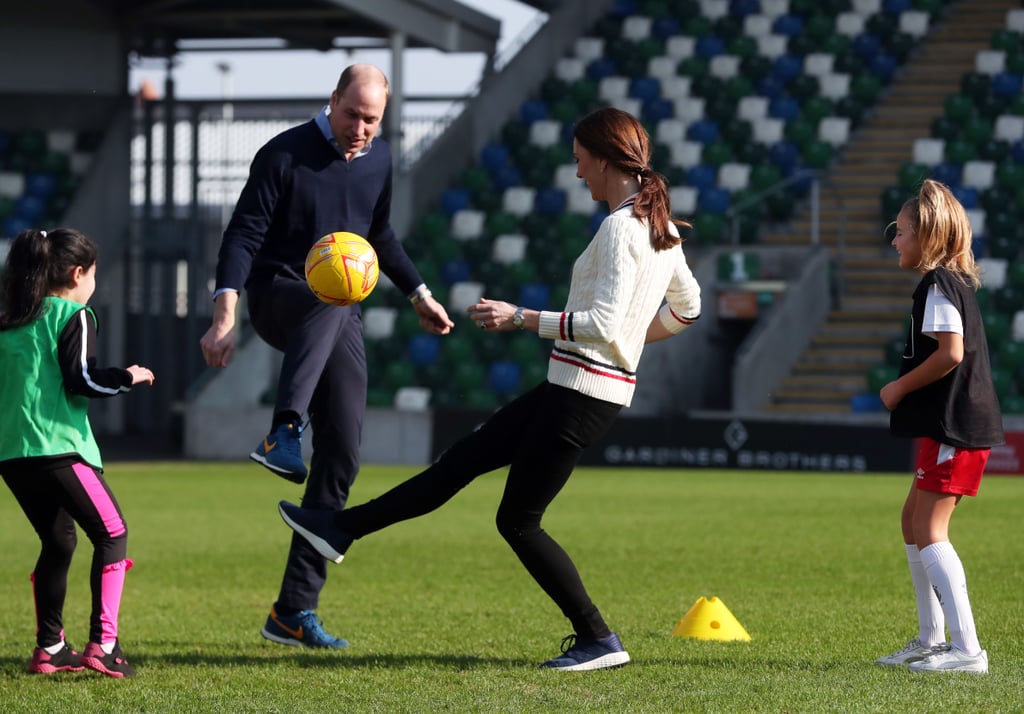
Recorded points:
913,651
952,660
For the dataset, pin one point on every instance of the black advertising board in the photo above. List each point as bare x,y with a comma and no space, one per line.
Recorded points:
725,443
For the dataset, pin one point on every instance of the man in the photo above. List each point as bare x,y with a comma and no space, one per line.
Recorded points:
329,174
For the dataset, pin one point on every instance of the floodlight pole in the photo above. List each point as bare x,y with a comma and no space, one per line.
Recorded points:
395,102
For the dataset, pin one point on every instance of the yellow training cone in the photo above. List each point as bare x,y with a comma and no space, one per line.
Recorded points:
710,620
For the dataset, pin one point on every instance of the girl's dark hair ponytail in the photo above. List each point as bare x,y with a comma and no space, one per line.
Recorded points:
40,264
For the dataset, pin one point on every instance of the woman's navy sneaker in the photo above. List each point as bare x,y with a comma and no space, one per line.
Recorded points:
317,527
579,655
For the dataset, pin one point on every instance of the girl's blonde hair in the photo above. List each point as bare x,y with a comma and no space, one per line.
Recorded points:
943,231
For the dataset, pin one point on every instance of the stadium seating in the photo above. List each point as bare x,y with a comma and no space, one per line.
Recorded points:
738,96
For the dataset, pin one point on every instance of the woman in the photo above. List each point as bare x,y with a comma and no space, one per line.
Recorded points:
630,286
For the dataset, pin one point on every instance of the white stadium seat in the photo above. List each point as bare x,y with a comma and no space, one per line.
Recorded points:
834,130
850,24
379,322
545,132
680,46
1017,327
662,67
676,87
611,88
818,64
12,185
518,200
867,8
734,176
579,200
834,85
636,27
565,177
412,399
775,8
929,151
769,131
667,131
724,66
628,104
757,25
686,154
683,200
509,248
588,48
1015,20
913,23
990,61
1009,127
690,109
714,9
976,216
462,295
993,272
772,46
753,107
978,174
570,69
468,224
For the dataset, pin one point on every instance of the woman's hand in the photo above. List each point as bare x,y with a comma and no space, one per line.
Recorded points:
492,315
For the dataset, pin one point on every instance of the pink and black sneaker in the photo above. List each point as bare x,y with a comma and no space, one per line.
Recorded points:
65,660
113,665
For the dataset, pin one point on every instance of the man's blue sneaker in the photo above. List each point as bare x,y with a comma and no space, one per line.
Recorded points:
581,655
281,452
302,628
317,527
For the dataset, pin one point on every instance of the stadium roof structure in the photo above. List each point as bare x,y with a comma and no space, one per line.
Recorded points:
162,28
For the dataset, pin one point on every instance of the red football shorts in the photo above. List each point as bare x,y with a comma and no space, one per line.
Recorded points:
942,468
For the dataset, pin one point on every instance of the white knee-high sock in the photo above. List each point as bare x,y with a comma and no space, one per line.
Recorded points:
946,574
930,621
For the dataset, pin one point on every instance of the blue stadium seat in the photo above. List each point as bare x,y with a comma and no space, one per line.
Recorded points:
600,68
704,131
866,46
713,200
654,110
550,202
15,225
30,208
424,349
788,67
966,195
494,157
506,177
645,88
1006,84
788,25
702,177
948,173
535,296
503,377
533,109
709,46
785,108
455,270
785,155
665,27
41,185
454,200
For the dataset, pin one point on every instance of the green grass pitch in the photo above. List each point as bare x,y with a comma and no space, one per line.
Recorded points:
442,617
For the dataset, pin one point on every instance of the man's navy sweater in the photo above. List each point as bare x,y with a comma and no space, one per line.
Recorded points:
299,190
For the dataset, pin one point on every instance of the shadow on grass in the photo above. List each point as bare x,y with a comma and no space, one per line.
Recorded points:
332,658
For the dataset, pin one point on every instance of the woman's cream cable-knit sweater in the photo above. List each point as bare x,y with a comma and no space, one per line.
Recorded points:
619,283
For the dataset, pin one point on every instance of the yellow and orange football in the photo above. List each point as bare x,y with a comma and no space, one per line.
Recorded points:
341,268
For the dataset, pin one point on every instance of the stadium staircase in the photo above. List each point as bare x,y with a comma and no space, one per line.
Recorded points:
874,295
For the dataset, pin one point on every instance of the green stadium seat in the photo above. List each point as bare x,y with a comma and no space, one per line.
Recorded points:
880,375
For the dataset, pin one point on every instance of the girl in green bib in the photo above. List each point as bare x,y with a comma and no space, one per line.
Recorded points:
48,455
